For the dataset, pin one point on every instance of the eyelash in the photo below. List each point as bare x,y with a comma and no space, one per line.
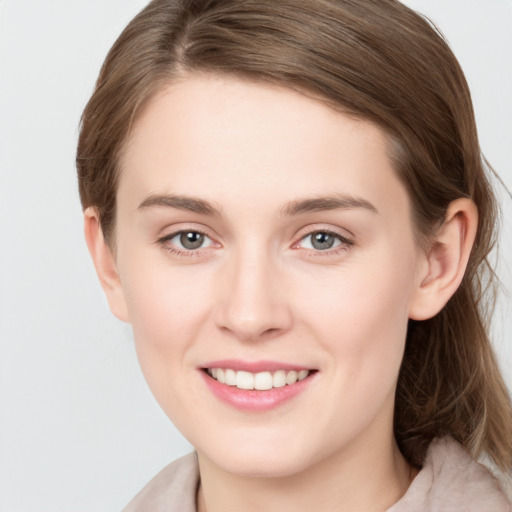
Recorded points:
344,244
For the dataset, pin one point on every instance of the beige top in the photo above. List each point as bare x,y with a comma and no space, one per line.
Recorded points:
450,481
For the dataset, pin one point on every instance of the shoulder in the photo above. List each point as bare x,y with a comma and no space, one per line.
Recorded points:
452,481
171,490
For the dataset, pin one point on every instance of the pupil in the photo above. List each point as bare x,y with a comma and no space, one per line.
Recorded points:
322,241
191,240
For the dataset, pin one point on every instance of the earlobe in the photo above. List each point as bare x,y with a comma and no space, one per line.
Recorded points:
105,264
446,260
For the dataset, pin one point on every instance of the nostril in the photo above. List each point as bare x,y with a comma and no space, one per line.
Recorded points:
249,330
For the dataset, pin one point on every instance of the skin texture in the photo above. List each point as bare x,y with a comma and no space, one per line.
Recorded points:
257,289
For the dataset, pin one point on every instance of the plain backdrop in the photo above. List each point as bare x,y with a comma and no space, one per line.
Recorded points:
79,429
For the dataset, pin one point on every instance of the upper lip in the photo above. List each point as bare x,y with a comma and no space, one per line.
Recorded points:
253,366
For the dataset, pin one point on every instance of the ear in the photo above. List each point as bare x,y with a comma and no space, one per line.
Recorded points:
104,262
446,260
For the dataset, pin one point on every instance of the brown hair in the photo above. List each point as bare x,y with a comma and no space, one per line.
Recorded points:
375,59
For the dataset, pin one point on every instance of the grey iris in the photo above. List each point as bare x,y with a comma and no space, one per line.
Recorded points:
322,241
191,240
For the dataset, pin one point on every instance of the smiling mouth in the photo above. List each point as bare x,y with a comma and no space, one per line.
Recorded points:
261,381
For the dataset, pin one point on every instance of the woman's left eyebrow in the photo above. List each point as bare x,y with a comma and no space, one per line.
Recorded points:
325,203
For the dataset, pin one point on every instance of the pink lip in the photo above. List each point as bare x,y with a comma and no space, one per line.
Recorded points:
250,399
254,366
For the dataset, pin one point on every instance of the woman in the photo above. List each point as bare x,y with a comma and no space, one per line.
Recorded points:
287,202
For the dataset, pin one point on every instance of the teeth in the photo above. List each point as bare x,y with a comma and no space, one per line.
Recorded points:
244,380
279,379
260,381
263,381
291,378
230,377
302,374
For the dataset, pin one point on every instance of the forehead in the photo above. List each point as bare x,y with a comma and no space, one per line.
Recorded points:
220,137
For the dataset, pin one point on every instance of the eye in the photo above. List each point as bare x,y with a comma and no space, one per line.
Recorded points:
323,241
191,240
186,241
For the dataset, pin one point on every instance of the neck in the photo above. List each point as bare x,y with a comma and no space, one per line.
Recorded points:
370,477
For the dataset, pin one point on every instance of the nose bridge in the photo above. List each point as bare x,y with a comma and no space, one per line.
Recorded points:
254,302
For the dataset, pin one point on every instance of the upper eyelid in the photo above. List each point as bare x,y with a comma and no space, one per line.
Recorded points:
344,234
187,229
328,231
181,231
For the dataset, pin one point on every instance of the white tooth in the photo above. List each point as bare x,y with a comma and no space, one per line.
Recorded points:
291,377
302,374
221,377
279,379
263,381
213,372
230,376
244,380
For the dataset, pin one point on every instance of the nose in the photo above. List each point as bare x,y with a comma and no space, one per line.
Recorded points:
253,302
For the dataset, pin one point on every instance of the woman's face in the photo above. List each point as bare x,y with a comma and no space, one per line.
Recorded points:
263,237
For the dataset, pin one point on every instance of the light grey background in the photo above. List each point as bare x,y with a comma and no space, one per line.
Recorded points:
79,429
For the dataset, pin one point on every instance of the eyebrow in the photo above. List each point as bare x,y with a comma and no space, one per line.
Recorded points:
326,203
295,207
187,203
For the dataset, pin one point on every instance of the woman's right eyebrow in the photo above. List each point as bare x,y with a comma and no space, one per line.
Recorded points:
188,203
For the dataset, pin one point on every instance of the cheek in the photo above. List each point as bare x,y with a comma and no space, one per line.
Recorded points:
373,294
360,320
167,308
162,298
361,317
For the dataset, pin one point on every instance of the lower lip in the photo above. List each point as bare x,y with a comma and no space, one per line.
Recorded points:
254,400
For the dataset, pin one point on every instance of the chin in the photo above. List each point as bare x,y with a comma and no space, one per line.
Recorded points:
262,465
259,455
